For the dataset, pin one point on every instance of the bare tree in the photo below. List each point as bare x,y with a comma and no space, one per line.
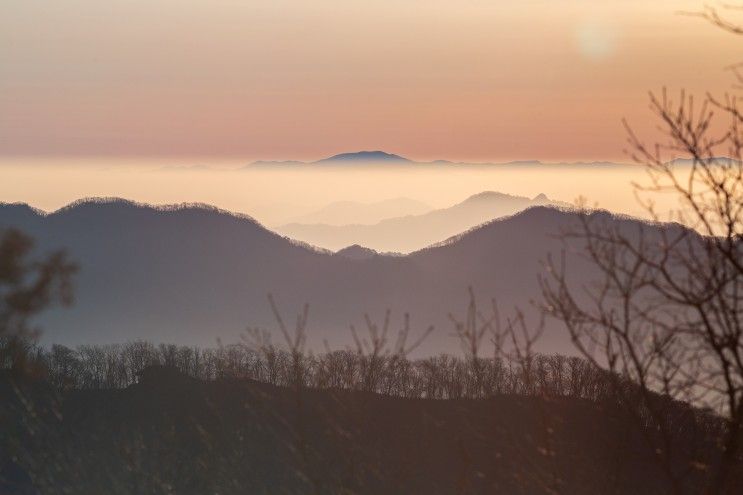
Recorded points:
666,310
375,352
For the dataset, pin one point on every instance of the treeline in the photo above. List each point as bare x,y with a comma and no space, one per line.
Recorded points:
441,377
550,415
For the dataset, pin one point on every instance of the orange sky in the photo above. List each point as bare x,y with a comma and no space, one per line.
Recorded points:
453,79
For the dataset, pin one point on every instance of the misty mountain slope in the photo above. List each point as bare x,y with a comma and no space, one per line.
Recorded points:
191,273
344,212
194,274
408,233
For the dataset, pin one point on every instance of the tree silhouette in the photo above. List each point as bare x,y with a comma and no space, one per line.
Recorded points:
666,312
28,286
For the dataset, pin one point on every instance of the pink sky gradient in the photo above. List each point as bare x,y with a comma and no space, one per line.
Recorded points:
463,80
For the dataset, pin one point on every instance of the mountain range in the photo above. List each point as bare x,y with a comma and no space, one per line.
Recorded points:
357,157
366,157
192,274
383,157
410,232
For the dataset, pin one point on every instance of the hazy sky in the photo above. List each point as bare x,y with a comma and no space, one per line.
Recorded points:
455,79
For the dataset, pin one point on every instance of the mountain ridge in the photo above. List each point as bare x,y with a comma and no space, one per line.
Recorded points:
193,275
407,233
384,157
365,156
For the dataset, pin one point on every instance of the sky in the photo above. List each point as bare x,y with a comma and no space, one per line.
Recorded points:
470,80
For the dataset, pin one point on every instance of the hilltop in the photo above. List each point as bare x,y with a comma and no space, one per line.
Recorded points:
365,157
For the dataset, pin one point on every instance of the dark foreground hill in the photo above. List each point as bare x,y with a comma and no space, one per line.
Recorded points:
173,434
192,274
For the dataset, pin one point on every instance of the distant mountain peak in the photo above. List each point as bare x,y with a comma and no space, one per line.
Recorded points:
382,157
487,196
407,233
365,156
541,197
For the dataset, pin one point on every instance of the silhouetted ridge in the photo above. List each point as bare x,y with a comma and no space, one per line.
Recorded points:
537,212
382,156
357,252
21,212
547,214
488,196
365,156
97,202
191,275
407,233
110,205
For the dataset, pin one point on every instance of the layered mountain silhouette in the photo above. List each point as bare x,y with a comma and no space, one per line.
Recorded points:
383,157
366,156
191,274
356,157
410,232
340,212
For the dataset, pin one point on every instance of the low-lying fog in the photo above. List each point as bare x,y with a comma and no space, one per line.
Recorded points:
280,194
